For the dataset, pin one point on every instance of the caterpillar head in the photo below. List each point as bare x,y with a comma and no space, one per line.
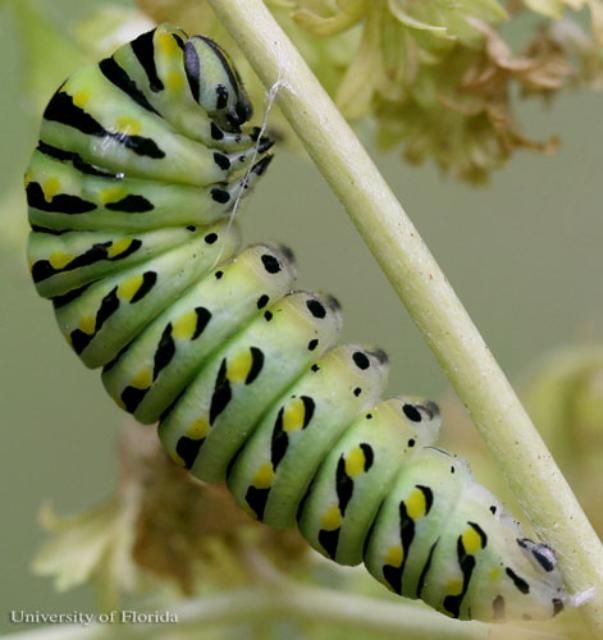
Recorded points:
217,85
543,562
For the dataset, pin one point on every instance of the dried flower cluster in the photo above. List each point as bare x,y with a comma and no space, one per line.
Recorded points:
160,527
434,75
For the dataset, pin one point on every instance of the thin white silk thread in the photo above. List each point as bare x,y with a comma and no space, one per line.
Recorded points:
270,99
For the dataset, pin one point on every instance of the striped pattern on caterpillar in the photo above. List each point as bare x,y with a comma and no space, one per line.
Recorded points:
140,160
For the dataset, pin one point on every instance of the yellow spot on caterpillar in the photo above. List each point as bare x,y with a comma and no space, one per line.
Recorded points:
238,367
143,379
58,259
185,326
354,462
394,556
293,415
27,178
174,81
129,126
263,477
118,247
128,288
167,45
471,541
495,573
198,429
415,504
331,518
176,458
81,98
111,194
87,324
51,187
454,587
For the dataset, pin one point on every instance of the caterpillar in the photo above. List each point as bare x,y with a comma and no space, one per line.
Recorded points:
139,163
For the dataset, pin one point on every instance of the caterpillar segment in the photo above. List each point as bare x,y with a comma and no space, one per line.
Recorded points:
73,259
125,137
170,350
272,472
232,391
342,502
107,314
65,193
140,160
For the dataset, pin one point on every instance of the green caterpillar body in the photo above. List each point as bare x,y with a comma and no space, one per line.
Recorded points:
140,161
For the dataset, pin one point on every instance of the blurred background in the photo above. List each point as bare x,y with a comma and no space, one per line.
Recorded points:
523,253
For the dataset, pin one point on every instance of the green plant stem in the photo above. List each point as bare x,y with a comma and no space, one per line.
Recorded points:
479,381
